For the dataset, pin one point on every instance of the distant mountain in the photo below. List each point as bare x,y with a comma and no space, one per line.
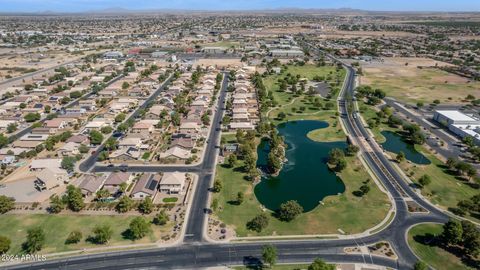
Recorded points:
120,10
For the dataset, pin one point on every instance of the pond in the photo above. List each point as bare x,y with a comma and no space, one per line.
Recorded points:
305,177
394,143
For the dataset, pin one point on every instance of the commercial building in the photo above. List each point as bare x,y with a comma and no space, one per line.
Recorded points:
461,124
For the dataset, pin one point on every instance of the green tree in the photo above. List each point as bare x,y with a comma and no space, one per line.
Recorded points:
319,264
3,140
420,266
83,149
74,198
269,255
32,117
106,129
470,238
124,205
258,223
138,228
335,155
6,204
352,150
102,194
102,234
146,206
103,156
111,144
217,185
68,163
35,240
11,127
424,180
5,243
341,165
74,237
452,232
400,157
161,218
56,204
120,117
289,210
231,160
95,137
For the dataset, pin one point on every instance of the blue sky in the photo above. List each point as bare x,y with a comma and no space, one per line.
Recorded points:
390,5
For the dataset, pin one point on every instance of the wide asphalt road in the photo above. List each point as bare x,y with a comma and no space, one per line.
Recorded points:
196,253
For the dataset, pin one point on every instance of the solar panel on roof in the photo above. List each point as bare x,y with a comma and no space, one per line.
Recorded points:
151,184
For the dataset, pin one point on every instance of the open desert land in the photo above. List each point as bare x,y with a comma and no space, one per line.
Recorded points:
218,62
19,64
365,34
413,80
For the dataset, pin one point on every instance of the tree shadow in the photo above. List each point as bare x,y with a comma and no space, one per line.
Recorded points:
128,235
435,241
233,202
252,262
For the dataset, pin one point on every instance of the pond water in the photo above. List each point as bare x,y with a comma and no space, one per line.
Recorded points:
305,177
394,143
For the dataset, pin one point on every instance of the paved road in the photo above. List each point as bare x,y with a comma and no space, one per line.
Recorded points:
196,253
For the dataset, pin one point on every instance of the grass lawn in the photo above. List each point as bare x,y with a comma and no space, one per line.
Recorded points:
412,85
170,200
432,255
445,189
345,211
57,228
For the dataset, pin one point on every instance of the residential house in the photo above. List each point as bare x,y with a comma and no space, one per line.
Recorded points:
68,149
50,178
172,182
176,152
146,186
90,184
114,180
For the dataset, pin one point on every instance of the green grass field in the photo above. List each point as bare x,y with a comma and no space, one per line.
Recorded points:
432,255
57,228
445,189
345,211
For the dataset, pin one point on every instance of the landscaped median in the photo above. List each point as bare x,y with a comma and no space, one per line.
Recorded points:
235,202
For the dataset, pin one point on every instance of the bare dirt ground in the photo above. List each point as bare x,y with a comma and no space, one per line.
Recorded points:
416,79
219,62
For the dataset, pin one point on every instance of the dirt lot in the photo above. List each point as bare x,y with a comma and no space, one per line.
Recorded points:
219,62
409,83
